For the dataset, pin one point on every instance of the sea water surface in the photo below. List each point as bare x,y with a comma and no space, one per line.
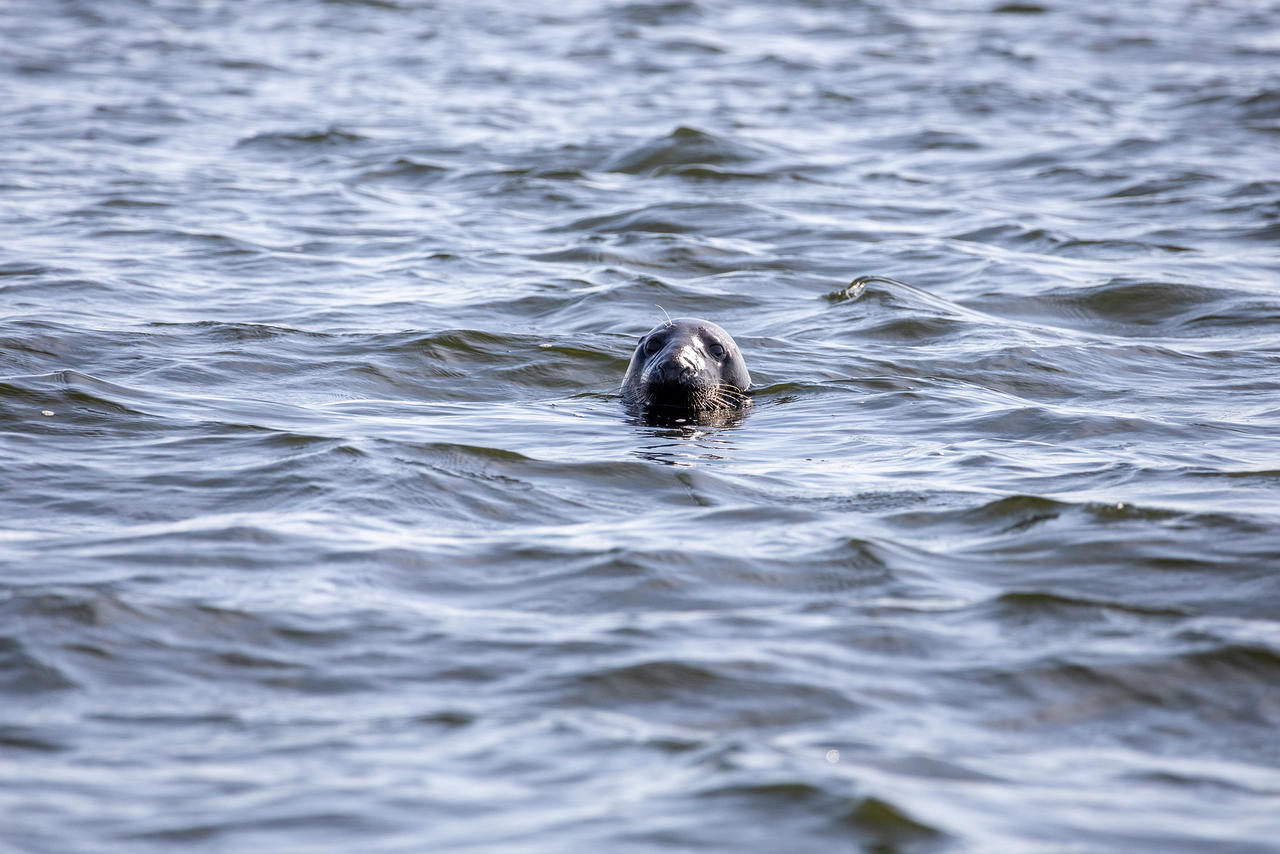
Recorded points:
322,527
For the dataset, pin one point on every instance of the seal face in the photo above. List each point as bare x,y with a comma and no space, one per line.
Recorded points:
687,365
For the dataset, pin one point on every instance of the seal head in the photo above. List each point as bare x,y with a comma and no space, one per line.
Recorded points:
687,365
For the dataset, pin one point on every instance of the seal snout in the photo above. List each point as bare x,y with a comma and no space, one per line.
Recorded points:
676,366
671,373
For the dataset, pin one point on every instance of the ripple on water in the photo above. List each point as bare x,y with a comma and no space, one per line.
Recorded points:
684,147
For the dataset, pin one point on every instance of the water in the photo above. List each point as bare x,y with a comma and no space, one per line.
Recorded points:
322,527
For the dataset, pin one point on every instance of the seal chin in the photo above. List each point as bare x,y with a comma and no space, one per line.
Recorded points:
690,396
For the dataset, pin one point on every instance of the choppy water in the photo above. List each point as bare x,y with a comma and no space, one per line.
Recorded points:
323,528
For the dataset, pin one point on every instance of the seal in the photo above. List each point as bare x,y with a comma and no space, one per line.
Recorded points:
687,365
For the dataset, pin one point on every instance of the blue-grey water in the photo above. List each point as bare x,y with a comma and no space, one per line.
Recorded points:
322,527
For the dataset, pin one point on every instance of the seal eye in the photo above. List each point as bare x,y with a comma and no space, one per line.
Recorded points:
651,346
717,350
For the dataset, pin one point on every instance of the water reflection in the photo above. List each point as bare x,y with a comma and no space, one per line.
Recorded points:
685,437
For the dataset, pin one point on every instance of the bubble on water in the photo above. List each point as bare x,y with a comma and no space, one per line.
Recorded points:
833,756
